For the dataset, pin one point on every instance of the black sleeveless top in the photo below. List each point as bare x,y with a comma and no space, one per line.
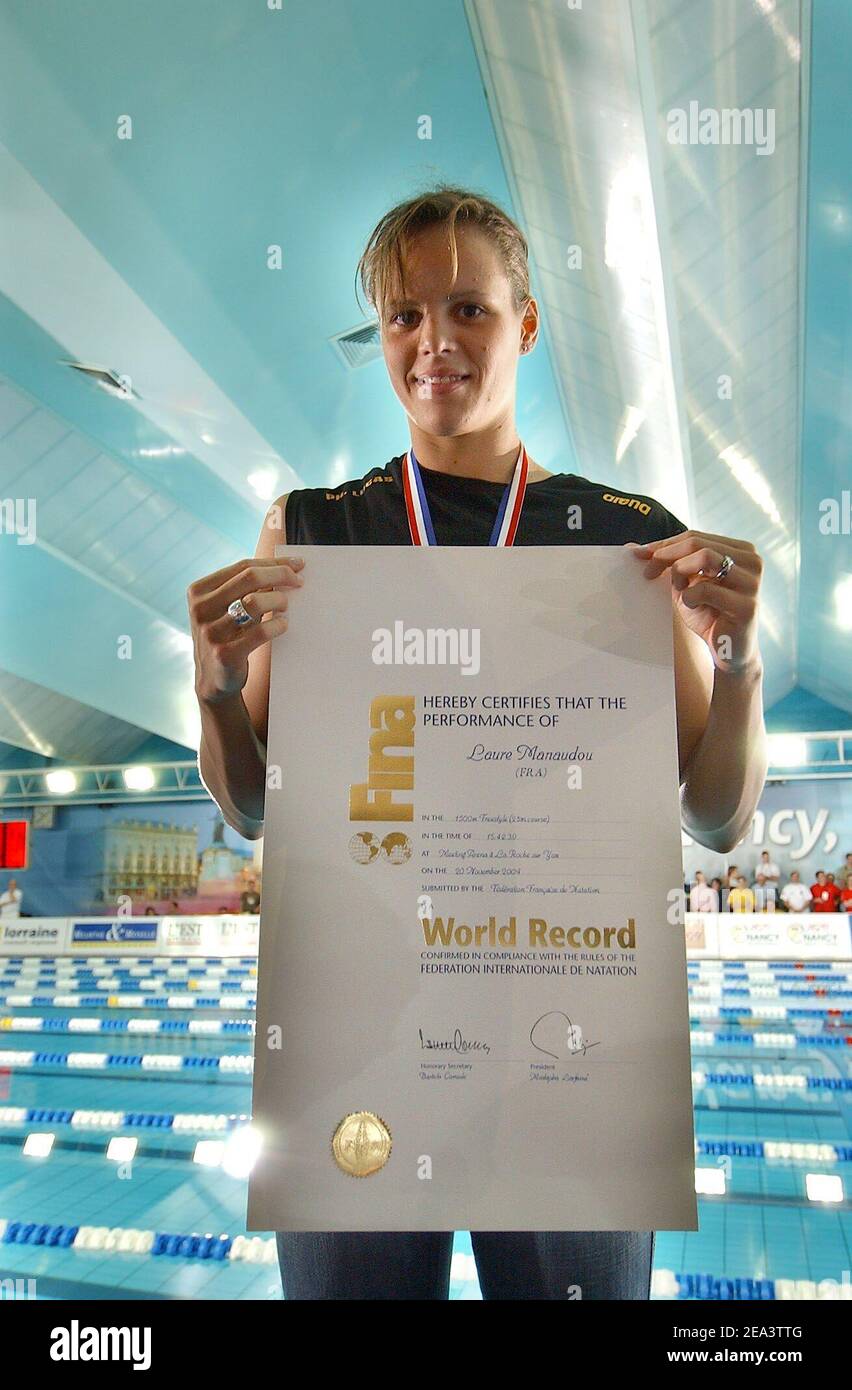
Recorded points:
371,511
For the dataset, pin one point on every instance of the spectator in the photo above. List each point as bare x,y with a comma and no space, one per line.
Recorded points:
702,897
795,895
820,894
250,898
833,890
741,897
844,870
764,894
846,895
150,911
10,902
769,868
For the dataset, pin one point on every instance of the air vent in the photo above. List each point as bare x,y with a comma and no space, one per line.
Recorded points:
358,346
107,380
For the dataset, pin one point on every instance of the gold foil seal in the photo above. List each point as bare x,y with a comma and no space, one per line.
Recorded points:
361,1144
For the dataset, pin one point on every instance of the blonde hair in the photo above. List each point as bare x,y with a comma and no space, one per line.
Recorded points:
381,267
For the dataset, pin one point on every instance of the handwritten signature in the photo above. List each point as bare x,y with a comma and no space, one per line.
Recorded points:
454,1044
574,1042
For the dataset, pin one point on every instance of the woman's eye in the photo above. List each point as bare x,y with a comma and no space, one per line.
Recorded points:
403,313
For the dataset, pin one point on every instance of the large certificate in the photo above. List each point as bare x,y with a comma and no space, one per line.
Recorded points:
472,1004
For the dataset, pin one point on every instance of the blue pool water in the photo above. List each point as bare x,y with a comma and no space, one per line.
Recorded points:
771,1067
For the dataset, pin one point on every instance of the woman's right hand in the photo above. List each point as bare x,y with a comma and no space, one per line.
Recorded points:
221,646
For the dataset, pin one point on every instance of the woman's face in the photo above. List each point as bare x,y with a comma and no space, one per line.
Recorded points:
469,328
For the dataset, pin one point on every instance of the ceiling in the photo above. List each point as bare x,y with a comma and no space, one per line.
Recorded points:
695,298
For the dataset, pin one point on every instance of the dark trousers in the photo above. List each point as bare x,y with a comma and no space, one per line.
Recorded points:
511,1264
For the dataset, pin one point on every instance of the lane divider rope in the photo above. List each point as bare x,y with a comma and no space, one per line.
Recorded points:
105,1061
120,1240
187,1122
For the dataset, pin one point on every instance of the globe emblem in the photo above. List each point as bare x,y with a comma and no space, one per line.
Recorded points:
397,847
364,847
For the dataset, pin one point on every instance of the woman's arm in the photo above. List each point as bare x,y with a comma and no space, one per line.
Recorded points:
232,764
718,680
725,775
256,690
234,707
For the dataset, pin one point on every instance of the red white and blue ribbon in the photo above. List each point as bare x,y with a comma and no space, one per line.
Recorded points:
419,516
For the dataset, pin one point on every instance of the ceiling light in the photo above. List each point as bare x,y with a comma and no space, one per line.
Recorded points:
787,750
164,451
138,779
61,782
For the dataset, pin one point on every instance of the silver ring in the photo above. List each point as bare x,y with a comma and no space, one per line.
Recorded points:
240,613
727,565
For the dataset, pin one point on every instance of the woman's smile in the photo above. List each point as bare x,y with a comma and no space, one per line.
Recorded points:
439,385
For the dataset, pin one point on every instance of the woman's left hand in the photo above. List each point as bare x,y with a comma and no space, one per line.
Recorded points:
723,612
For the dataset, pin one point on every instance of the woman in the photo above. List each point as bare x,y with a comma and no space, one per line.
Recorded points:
447,274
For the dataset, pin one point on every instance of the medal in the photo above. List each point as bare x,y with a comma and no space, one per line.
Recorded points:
417,505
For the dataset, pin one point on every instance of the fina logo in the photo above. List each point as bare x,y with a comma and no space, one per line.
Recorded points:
432,646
